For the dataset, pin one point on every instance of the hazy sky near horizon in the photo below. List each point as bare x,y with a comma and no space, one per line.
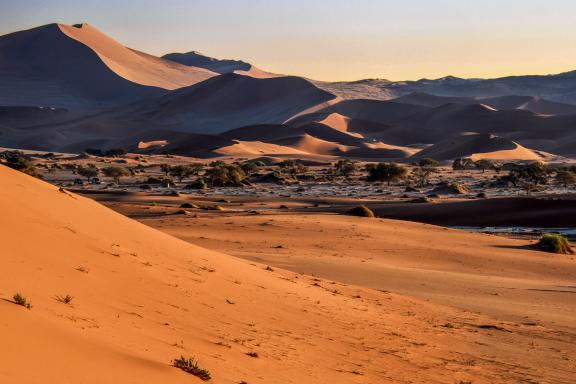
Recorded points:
334,39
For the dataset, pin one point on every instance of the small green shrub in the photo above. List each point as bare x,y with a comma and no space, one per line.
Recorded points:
191,366
21,300
361,211
555,243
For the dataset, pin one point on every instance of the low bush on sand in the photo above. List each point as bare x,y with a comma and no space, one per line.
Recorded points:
555,243
64,299
21,300
191,366
361,211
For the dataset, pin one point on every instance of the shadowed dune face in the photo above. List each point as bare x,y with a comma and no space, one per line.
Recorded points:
478,146
528,103
231,100
77,66
520,211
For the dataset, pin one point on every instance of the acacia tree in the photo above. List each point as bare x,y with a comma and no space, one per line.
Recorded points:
484,164
250,167
462,164
565,177
226,174
183,171
528,176
387,172
293,167
88,172
116,173
165,168
425,168
345,168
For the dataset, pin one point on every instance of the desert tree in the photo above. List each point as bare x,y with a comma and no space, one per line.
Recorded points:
88,172
250,167
387,172
565,177
345,168
293,167
226,174
528,176
484,164
116,173
424,169
183,171
462,164
165,169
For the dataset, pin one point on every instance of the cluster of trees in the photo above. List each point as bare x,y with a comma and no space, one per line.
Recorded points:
225,174
114,152
292,167
345,168
482,164
182,172
530,176
393,172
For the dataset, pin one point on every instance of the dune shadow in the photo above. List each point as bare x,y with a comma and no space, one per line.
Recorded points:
528,247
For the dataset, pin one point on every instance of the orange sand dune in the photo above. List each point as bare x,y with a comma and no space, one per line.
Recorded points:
244,148
313,145
136,66
142,297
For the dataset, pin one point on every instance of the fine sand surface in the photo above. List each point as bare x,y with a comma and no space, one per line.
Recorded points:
495,275
142,298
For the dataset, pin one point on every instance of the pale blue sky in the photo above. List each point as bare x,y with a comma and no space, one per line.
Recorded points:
334,39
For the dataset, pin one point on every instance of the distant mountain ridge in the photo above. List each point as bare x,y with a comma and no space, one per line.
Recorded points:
560,87
71,87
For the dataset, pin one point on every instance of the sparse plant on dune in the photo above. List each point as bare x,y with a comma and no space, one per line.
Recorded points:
191,366
64,299
555,243
21,300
